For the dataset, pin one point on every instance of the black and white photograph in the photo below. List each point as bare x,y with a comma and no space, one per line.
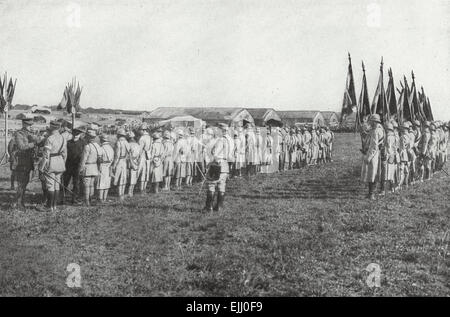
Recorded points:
214,149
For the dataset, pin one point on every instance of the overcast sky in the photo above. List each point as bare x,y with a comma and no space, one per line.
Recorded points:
282,54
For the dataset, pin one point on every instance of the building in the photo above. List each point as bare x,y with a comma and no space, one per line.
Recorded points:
303,117
331,119
211,115
265,117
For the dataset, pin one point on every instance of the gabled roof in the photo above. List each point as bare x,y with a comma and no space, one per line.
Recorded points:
304,114
327,114
204,113
264,114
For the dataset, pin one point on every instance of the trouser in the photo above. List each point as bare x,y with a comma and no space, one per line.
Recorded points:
72,174
13,179
23,178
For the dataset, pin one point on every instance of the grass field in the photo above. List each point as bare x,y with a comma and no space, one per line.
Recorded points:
306,232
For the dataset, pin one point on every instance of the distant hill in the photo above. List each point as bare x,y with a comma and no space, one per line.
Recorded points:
86,110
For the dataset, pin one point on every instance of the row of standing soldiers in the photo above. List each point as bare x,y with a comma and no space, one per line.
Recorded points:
396,156
93,163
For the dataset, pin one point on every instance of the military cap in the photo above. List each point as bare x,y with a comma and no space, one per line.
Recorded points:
166,134
55,125
406,125
130,134
426,124
394,124
389,126
104,138
27,121
375,118
180,132
144,126
432,127
191,130
156,135
223,126
91,133
417,123
121,132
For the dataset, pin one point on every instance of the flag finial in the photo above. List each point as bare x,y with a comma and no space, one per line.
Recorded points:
412,75
363,68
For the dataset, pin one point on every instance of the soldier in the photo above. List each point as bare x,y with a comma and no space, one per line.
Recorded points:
231,160
12,151
397,155
424,171
432,150
156,153
217,171
441,147
25,142
306,146
167,160
370,168
75,148
145,143
133,162
251,154
89,165
241,151
66,133
299,148
119,166
179,158
314,146
390,153
404,145
191,153
323,145
104,179
53,163
268,152
259,149
330,144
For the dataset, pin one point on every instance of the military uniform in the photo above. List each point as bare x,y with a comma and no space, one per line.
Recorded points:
156,153
423,149
25,142
104,178
75,148
179,158
143,173
371,163
133,163
218,171
390,152
251,153
54,164
89,165
167,159
191,155
119,166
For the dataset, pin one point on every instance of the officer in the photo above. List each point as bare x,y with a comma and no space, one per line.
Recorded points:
390,153
104,178
133,162
179,158
218,170
54,163
404,157
370,168
156,154
89,165
145,143
74,150
119,166
425,165
25,142
167,160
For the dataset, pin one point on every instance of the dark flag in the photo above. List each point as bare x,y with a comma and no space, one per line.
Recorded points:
71,98
379,104
391,100
349,104
363,103
427,109
404,108
414,101
2,99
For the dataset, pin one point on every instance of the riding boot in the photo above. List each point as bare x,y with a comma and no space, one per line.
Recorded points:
56,199
156,188
220,200
209,201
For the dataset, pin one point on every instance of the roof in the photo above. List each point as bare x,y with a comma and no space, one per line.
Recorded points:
264,114
181,119
304,114
328,114
204,113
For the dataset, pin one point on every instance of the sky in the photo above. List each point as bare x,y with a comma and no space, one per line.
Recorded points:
285,54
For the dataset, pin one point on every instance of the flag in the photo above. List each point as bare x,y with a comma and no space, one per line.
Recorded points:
363,103
404,108
379,104
71,98
414,101
427,109
349,104
391,100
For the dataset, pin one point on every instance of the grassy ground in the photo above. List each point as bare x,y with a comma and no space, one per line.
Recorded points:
306,232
